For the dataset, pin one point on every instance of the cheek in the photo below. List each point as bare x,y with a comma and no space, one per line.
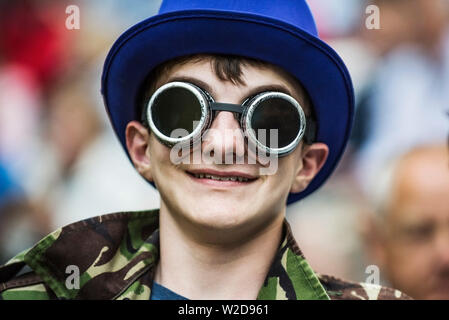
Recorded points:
288,168
283,173
407,260
159,157
281,182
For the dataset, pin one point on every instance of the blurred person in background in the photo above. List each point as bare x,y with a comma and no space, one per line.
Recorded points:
408,234
52,122
68,176
34,51
334,209
32,54
401,82
22,222
405,102
337,248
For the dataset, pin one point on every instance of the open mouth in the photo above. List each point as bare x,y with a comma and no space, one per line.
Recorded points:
222,177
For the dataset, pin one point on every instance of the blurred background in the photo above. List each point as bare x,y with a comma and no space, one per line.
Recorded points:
60,161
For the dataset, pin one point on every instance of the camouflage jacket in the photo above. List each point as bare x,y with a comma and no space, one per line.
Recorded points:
116,255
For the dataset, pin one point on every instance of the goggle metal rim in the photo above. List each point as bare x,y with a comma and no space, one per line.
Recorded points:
250,131
247,115
199,128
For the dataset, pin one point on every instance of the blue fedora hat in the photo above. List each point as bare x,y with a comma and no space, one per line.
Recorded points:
280,32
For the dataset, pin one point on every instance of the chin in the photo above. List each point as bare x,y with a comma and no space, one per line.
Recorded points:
221,218
217,212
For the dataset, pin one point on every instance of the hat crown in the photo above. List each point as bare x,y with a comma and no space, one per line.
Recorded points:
295,12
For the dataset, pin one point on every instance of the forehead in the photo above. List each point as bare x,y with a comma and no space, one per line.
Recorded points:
206,64
422,185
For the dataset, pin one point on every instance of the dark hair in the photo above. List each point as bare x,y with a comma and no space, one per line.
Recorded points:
226,68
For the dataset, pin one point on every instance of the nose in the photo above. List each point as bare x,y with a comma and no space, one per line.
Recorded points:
224,141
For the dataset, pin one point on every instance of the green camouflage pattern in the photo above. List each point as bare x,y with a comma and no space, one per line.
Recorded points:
116,256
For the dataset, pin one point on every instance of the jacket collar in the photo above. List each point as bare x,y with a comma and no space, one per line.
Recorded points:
114,257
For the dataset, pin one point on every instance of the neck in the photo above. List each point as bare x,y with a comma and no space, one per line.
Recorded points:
220,270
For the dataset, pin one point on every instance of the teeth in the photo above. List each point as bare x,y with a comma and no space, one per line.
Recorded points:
219,178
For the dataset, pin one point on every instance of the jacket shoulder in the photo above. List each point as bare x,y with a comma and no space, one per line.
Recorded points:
19,282
109,253
340,289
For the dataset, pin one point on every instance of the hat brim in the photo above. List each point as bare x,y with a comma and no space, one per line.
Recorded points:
164,37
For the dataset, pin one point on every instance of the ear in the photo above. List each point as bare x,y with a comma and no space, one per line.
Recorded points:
313,158
137,142
373,235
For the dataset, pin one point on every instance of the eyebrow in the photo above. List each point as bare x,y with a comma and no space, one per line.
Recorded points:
205,86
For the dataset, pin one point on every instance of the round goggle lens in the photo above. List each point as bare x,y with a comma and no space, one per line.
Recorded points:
279,114
176,108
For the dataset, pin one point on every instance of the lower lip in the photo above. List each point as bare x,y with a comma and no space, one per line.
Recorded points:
219,183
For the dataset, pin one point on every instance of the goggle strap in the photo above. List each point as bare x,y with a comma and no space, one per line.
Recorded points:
144,117
310,134
217,106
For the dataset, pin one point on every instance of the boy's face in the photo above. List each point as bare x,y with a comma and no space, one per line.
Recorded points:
224,205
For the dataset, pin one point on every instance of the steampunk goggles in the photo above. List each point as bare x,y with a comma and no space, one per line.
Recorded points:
181,112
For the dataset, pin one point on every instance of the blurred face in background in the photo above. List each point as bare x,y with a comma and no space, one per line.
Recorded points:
413,244
72,122
418,22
